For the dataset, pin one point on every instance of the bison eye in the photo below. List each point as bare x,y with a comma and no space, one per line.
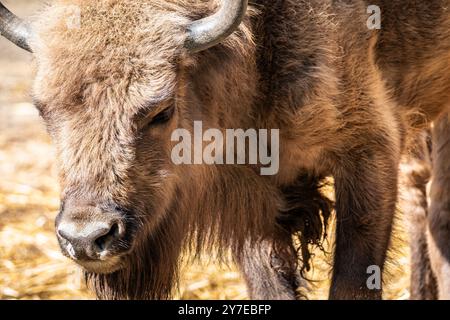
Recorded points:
161,118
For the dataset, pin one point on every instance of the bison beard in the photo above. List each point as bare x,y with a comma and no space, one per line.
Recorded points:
237,223
152,268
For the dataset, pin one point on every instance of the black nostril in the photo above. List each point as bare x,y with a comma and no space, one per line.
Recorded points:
103,241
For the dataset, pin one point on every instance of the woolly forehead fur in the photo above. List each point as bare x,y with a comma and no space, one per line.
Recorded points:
98,64
127,49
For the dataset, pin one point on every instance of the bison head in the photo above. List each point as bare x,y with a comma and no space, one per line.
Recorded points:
109,86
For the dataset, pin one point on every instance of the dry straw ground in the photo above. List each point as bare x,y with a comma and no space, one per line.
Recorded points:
31,266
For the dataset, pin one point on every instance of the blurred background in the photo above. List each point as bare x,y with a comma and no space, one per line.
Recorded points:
31,265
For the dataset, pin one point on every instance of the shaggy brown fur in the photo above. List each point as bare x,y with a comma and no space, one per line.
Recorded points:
439,217
428,211
416,173
341,94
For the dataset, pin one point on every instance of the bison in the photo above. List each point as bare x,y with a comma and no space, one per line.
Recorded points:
114,87
426,203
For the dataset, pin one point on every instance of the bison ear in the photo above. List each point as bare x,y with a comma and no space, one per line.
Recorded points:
210,31
14,29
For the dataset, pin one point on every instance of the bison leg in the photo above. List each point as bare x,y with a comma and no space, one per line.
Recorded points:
439,213
416,174
416,171
366,192
268,276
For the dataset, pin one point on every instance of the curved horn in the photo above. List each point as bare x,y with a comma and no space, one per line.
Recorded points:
207,32
13,28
